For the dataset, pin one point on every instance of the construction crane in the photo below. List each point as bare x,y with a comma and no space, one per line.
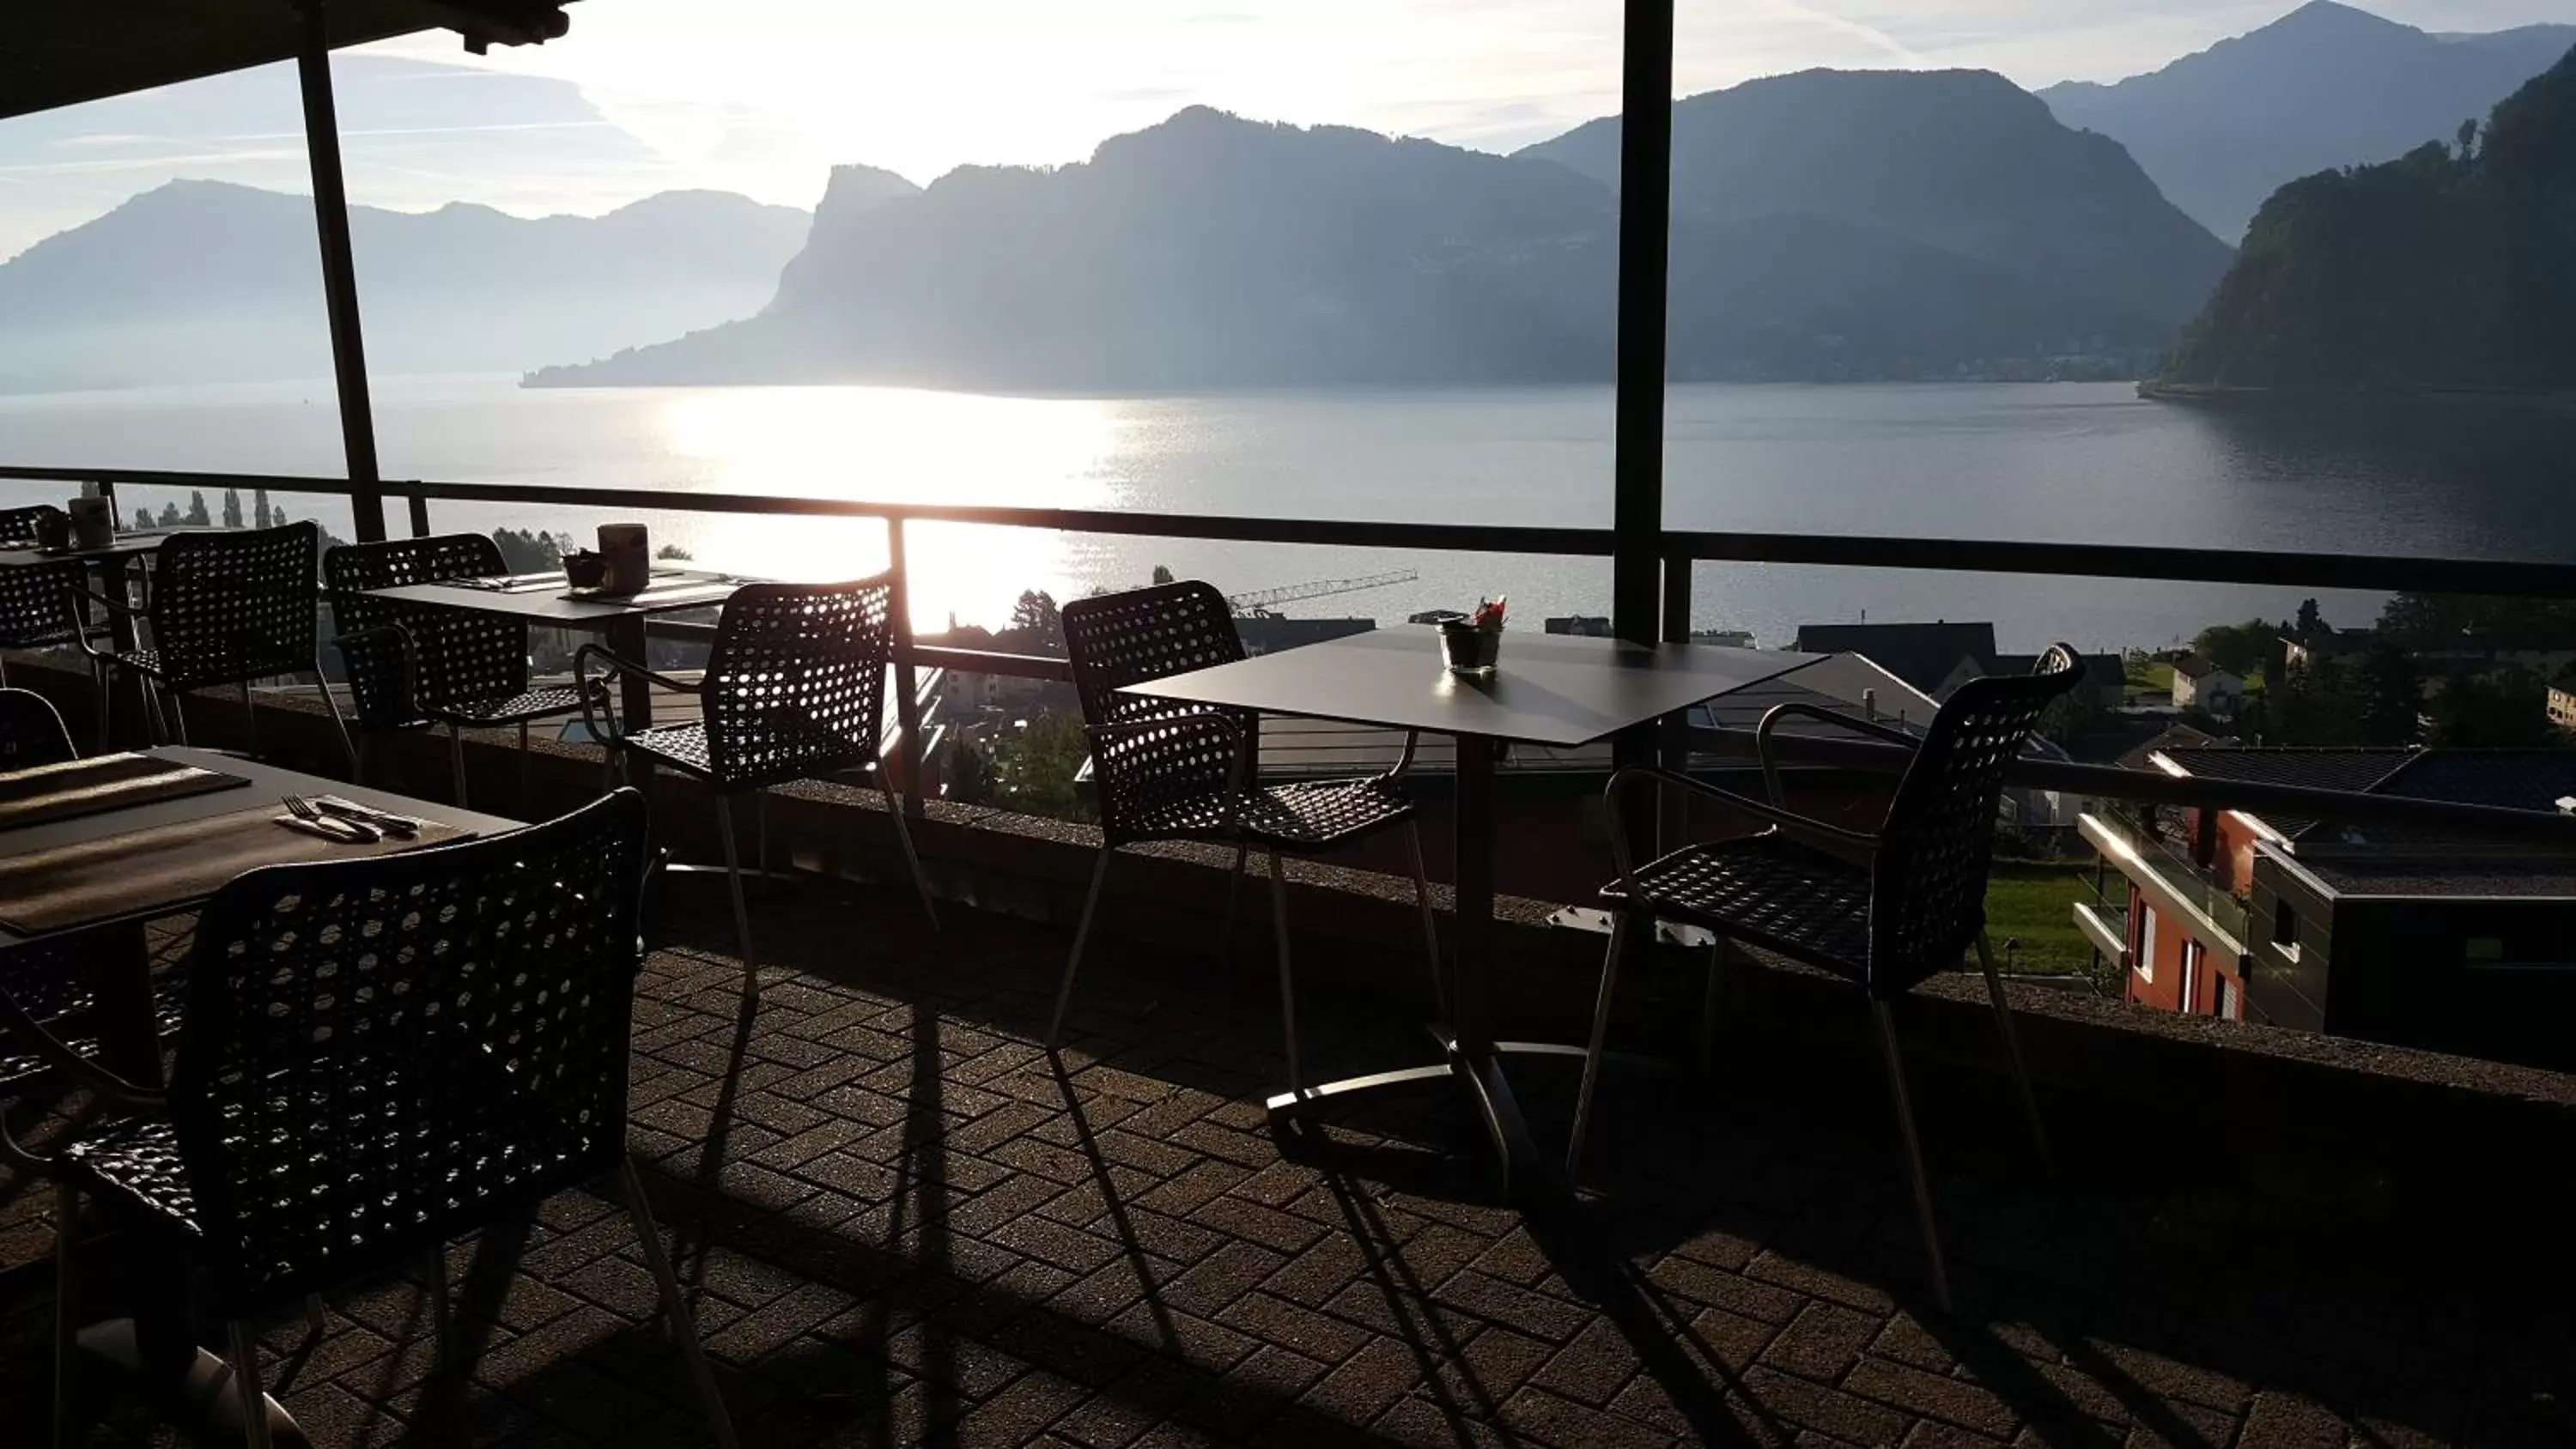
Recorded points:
1260,603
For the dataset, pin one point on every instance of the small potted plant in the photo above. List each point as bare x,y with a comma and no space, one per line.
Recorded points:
1471,645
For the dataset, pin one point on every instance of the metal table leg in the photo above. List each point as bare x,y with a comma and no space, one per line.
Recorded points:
1474,1059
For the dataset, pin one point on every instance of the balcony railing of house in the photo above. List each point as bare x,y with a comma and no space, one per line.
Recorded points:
2125,836
1677,550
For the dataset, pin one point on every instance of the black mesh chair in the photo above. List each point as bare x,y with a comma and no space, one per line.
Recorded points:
1883,909
33,596
381,1056
794,689
413,666
1171,771
225,607
42,977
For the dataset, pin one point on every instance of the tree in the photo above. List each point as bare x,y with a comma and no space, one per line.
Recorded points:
2311,624
170,515
1036,627
531,551
260,514
197,516
2468,139
673,552
232,508
973,778
1163,573
2312,706
2507,710
2236,648
142,519
2388,697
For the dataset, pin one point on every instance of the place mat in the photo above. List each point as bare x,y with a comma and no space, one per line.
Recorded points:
509,583
167,867
710,591
75,788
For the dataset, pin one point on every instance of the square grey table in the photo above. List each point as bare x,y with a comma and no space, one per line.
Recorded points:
1546,689
621,618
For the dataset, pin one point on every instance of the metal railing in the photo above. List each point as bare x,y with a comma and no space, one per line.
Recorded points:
1679,549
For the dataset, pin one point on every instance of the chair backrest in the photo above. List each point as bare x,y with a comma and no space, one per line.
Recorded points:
18,525
235,604
32,732
459,654
1928,891
36,600
382,1054
796,680
1116,641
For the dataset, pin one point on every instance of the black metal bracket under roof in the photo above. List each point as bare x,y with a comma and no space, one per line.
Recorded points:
64,52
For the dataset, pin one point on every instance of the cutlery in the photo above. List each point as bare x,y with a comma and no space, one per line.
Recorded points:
341,828
401,827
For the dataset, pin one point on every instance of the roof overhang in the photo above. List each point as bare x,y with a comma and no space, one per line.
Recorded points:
64,52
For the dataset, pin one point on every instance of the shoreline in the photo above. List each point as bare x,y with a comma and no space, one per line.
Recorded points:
2151,390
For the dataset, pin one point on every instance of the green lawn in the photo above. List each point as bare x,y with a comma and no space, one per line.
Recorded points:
2035,904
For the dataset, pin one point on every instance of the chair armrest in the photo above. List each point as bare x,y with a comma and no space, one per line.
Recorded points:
617,666
1404,762
1789,820
77,595
1772,718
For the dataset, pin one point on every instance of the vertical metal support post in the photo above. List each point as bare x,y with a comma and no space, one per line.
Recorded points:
419,509
1645,255
907,679
1672,732
339,271
1645,259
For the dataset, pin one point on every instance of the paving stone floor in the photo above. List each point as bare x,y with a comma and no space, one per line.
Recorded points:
900,1223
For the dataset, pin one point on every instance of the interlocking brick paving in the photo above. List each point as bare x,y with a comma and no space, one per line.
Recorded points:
900,1222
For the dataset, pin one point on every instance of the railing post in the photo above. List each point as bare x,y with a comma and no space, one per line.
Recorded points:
907,676
1672,732
419,509
339,274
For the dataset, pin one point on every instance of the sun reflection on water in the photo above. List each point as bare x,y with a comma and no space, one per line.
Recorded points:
894,446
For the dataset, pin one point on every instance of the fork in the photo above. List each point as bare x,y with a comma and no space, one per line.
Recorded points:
347,829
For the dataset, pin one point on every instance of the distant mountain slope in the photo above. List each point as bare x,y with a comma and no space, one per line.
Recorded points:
203,281
1960,160
2435,270
1211,252
2324,87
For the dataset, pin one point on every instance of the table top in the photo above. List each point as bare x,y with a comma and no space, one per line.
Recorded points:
126,545
268,785
671,591
1547,689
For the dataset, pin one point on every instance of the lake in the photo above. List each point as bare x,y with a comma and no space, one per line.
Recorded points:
2064,462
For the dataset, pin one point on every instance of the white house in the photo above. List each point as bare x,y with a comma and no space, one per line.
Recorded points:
2202,685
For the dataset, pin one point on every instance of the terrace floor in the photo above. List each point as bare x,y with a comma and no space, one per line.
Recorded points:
903,1225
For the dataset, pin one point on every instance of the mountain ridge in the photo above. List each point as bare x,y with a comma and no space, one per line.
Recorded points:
1214,251
2325,86
205,280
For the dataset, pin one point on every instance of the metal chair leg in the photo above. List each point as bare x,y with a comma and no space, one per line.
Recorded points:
1430,925
178,713
2012,1049
103,692
741,912
1722,969
1913,1150
1233,894
702,1378
1081,935
523,767
67,1424
456,761
1287,977
1619,929
911,857
760,833
442,1320
244,1357
250,723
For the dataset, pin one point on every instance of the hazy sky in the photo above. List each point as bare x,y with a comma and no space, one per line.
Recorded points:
760,96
